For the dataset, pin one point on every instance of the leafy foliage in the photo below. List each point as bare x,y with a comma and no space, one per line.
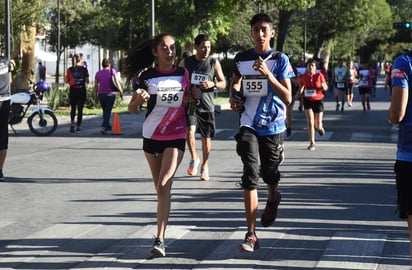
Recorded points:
74,22
338,26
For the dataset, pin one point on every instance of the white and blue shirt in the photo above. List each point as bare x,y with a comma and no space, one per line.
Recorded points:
264,111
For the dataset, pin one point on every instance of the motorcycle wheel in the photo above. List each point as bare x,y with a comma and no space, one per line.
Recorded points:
42,125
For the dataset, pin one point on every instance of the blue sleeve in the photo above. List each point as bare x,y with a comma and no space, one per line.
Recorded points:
135,86
284,68
401,72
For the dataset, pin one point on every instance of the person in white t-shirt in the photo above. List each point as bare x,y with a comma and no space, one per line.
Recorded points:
340,78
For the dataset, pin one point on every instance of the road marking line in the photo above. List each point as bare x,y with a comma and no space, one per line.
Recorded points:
361,136
352,250
227,253
133,249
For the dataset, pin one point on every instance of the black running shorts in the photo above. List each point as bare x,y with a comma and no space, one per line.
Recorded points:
316,106
404,188
253,148
156,147
4,124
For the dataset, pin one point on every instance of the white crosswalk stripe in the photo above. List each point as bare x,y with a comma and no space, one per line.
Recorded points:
361,136
56,245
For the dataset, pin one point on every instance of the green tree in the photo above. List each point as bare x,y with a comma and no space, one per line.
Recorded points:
355,20
74,27
186,19
402,39
287,8
377,29
282,12
118,25
25,18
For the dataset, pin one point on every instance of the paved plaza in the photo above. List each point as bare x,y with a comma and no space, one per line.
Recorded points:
87,201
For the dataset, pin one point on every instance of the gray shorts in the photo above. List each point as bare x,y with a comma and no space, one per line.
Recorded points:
205,123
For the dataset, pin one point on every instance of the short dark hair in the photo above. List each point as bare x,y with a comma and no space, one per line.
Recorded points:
310,61
105,62
75,59
260,17
200,38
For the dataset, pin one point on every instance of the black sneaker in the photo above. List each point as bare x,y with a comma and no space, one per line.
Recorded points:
250,244
271,209
1,176
282,154
321,131
72,128
158,248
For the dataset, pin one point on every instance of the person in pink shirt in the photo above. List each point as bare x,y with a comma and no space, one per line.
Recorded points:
105,94
366,74
352,79
312,86
165,89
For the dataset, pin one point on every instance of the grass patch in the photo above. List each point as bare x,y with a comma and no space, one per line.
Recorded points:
220,98
65,111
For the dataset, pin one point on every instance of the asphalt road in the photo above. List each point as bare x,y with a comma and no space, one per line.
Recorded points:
87,201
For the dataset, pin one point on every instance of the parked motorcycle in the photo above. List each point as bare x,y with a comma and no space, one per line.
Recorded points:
41,121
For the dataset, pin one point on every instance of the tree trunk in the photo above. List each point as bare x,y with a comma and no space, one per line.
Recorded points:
284,17
28,40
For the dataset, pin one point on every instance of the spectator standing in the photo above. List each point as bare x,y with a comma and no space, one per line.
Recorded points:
206,75
42,71
83,61
105,94
261,90
400,112
6,67
77,76
164,127
312,86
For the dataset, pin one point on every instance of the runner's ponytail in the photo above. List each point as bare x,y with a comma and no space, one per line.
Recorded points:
141,57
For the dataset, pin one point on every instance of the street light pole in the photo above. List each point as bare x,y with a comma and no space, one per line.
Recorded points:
304,40
353,46
7,24
58,45
152,18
